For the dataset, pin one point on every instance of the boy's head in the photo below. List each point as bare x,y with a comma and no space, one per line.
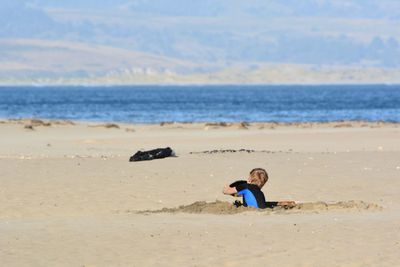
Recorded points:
258,176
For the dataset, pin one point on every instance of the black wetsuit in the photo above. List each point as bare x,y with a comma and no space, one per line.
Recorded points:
252,195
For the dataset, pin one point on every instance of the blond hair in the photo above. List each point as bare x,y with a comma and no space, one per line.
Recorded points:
258,176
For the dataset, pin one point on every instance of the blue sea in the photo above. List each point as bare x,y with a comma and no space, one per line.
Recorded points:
154,104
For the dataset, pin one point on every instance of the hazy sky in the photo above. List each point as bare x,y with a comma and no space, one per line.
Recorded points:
319,32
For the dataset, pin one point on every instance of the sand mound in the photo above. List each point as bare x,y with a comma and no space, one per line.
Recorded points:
220,207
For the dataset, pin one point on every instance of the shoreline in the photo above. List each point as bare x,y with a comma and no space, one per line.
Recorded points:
34,121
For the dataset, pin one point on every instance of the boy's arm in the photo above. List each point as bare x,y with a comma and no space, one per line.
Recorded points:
229,190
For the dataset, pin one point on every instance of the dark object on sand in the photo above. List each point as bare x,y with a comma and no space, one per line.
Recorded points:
158,153
234,184
272,204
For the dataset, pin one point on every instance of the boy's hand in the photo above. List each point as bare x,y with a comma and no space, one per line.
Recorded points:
287,203
225,189
229,190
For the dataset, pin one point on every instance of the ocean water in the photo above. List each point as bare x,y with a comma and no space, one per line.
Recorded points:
153,104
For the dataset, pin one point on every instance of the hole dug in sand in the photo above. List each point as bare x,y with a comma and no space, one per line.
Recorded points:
221,207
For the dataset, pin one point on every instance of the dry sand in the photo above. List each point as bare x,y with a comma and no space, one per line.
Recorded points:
223,207
69,196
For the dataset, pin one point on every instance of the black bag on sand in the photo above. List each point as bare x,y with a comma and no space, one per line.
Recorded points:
158,153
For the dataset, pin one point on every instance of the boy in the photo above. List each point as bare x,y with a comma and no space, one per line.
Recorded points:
251,191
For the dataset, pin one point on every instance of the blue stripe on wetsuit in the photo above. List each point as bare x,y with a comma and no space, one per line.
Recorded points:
249,198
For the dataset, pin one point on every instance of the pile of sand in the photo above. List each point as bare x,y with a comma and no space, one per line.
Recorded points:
221,207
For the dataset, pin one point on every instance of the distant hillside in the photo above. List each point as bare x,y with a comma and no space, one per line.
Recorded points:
199,41
363,32
30,58
30,61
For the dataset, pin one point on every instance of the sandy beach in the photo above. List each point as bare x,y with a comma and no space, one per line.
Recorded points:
70,197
